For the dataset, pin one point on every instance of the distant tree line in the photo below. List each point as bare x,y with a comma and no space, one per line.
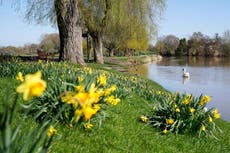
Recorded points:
51,43
48,43
197,45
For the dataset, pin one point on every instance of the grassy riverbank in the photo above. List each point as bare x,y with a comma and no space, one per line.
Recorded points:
115,129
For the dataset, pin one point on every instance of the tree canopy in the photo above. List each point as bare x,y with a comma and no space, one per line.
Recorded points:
133,22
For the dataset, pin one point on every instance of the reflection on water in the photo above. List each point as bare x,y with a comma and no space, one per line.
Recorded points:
209,76
195,61
185,79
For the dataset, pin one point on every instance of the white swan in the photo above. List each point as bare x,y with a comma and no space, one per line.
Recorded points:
185,74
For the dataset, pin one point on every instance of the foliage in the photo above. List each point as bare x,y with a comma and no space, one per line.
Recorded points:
182,48
167,45
95,15
132,25
225,49
50,42
197,45
182,113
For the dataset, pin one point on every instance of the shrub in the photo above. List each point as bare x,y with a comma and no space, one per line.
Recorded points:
182,113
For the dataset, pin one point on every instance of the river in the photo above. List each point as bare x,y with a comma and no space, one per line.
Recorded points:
209,76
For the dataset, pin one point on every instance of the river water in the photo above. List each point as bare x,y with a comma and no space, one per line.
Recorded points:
209,76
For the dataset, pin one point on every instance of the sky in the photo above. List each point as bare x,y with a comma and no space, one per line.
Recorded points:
183,17
16,31
180,18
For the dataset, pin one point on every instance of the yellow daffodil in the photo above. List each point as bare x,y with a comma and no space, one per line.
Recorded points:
210,119
158,92
177,110
88,112
39,61
144,118
133,79
82,98
87,70
170,121
19,77
95,97
186,101
192,110
79,79
68,98
112,100
215,111
97,107
204,100
203,128
80,88
32,86
102,80
165,131
52,131
107,92
216,114
113,88
116,101
88,125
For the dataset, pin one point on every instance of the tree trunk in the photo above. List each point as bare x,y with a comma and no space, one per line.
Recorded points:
70,32
97,46
111,52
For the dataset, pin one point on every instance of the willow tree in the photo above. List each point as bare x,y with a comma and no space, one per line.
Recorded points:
133,23
64,13
95,14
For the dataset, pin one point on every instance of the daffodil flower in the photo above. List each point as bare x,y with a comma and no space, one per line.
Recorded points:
102,80
192,110
210,119
32,86
177,110
144,118
88,125
170,121
204,99
51,131
165,131
203,128
19,77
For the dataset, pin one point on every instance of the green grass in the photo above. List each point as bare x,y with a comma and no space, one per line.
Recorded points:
120,131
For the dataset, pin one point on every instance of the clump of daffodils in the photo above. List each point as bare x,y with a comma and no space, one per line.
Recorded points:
84,103
181,113
74,95
87,98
